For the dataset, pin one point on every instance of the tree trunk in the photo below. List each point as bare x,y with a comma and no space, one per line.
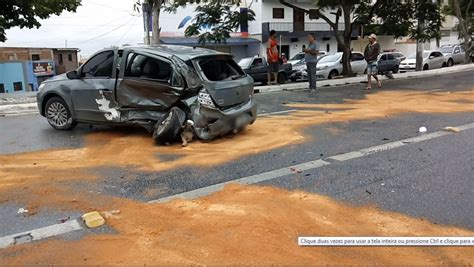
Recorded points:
147,27
155,34
464,27
419,48
346,46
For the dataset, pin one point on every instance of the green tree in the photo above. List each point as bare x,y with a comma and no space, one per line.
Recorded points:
26,13
463,10
219,16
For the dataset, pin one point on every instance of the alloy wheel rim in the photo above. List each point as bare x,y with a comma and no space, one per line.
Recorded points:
57,114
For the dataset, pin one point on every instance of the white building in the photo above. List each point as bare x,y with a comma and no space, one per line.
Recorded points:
292,26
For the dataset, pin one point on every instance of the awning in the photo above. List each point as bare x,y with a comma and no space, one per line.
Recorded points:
194,41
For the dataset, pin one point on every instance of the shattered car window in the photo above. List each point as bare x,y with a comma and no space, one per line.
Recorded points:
149,68
100,65
219,69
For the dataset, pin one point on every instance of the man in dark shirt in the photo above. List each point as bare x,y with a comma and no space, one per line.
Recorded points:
371,54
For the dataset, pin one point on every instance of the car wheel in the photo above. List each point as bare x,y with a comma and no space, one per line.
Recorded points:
169,127
450,62
426,67
281,78
333,74
444,65
396,69
58,115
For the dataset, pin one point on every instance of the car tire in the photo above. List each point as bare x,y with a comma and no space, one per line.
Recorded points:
168,128
396,69
444,65
58,114
450,62
332,74
281,78
426,67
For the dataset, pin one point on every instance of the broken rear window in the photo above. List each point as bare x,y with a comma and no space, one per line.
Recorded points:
220,68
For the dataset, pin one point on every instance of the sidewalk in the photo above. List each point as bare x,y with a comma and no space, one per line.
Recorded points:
16,98
361,79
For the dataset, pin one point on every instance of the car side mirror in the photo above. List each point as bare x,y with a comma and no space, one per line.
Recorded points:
73,75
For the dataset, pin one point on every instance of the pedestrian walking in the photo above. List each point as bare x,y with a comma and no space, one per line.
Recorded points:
311,58
371,53
272,57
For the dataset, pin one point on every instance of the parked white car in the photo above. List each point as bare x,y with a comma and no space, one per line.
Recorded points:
330,66
431,60
454,54
299,58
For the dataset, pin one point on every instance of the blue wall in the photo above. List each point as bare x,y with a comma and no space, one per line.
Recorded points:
11,72
31,77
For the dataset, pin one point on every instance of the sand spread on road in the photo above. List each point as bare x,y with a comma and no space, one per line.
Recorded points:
244,225
137,151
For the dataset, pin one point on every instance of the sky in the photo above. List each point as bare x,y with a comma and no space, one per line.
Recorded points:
95,25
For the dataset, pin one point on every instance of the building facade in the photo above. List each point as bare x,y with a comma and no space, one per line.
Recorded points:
25,68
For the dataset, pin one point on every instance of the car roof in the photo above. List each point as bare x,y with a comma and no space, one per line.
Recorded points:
183,52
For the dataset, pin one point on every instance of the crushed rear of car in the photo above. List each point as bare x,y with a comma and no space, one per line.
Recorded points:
159,88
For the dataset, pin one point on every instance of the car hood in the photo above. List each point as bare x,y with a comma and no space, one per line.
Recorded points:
293,62
409,60
56,78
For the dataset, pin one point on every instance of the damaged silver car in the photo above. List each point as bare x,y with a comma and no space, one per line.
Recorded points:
159,88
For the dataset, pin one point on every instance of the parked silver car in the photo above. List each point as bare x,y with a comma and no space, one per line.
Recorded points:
431,60
454,54
158,88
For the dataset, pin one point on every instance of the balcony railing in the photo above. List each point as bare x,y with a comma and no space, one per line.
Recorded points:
308,26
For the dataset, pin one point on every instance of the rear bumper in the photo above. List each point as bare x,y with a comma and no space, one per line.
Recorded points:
212,123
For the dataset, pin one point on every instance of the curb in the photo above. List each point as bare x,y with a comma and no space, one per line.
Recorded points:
362,79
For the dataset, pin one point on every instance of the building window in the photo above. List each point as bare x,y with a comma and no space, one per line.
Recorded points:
328,48
278,13
18,86
69,57
60,59
35,57
2,88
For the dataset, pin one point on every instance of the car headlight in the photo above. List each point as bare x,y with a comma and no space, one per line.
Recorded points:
204,98
41,87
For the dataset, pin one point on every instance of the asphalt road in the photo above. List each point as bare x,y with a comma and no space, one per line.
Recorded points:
431,179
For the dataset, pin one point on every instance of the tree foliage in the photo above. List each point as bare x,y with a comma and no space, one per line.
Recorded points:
26,13
463,10
214,19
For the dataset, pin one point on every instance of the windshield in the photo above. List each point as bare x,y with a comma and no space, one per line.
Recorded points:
298,56
245,62
330,58
413,55
446,49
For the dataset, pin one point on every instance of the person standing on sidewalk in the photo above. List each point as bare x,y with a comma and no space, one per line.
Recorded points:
272,57
371,54
311,58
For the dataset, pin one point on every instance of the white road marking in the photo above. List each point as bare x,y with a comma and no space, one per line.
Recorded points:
40,233
277,112
75,225
308,165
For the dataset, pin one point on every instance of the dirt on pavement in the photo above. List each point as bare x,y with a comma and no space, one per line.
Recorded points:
244,225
